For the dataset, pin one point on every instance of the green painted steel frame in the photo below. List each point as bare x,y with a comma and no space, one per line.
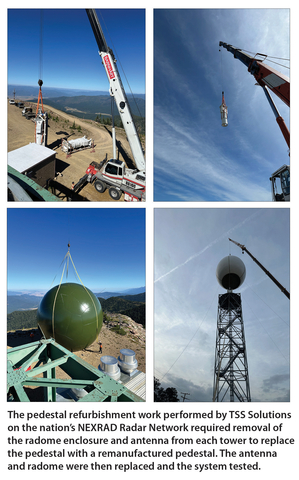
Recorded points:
46,355
32,187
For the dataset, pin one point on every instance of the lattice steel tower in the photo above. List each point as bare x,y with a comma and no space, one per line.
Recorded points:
231,379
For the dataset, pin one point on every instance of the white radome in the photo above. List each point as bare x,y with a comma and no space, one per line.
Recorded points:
231,272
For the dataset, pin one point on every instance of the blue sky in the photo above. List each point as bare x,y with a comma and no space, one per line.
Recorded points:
70,56
186,291
195,158
107,247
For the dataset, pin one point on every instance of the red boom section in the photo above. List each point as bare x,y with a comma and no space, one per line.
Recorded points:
276,81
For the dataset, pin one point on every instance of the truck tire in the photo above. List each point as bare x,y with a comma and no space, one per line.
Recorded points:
114,193
100,186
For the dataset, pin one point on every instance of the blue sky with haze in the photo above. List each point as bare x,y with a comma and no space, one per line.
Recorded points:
70,56
107,247
195,158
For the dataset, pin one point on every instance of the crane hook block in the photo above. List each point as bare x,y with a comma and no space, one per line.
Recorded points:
223,112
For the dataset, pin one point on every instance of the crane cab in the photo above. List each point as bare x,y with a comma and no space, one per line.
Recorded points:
280,184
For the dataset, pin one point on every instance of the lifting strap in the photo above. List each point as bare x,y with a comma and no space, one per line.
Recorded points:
66,265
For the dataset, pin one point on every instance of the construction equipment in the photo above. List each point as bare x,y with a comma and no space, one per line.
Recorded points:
269,78
26,110
114,174
280,181
244,249
28,113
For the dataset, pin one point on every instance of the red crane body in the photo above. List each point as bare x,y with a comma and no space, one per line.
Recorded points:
269,78
266,77
276,81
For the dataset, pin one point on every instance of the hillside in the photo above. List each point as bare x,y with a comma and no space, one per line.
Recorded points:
138,297
26,92
86,105
138,314
98,108
129,292
132,306
28,301
22,302
21,319
94,105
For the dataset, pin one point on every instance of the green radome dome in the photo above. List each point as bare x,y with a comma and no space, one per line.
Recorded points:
73,316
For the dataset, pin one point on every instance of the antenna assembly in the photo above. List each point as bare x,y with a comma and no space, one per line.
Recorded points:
223,112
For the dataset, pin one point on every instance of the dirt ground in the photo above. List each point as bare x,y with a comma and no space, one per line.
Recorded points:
70,168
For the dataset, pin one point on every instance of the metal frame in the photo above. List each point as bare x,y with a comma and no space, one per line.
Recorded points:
27,186
244,249
231,379
26,362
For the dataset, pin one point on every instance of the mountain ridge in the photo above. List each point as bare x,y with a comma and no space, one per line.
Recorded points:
49,92
27,301
131,305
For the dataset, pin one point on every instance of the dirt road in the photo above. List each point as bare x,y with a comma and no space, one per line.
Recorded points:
62,125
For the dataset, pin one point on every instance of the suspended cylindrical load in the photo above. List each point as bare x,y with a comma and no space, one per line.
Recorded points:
223,112
230,272
41,129
41,120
